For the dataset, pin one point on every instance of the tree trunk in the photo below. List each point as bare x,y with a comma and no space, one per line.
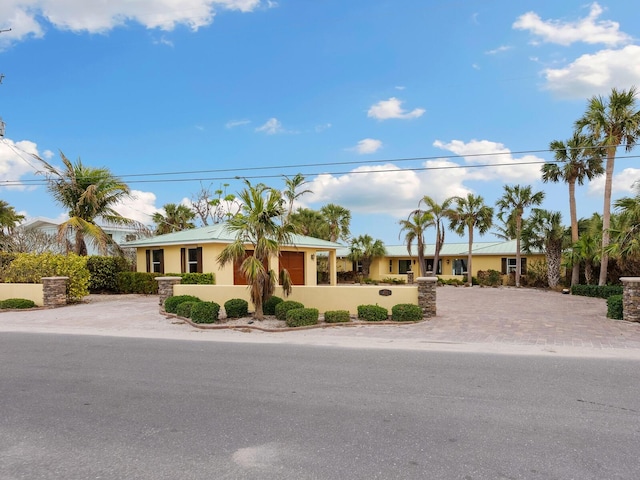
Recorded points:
606,214
518,263
469,257
438,246
575,272
554,259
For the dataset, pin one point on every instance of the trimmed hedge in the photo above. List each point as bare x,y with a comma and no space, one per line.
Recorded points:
283,307
236,308
205,312
599,291
171,303
17,303
337,316
194,278
301,317
614,307
184,309
372,313
137,282
269,307
406,312
104,272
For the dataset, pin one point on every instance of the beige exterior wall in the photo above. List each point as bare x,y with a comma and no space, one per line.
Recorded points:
324,298
30,291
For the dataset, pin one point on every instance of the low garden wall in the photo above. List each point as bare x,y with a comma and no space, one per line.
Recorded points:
631,299
52,292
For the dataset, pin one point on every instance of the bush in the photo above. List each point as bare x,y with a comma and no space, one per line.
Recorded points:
269,307
337,316
236,308
17,303
137,282
184,309
300,317
614,307
194,278
205,312
604,291
283,307
372,313
406,312
171,303
451,281
537,274
393,280
104,272
489,278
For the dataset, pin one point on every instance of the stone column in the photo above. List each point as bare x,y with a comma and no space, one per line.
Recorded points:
427,295
410,277
631,299
165,288
54,291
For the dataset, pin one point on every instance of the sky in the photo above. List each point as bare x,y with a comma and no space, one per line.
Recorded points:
376,102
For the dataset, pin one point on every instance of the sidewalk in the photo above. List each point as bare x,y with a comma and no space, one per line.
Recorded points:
502,320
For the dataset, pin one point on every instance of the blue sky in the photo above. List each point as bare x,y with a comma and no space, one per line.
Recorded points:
341,91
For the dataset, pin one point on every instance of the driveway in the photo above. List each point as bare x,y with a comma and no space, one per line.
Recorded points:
500,320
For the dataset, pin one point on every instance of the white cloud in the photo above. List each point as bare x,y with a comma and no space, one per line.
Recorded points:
622,183
140,207
596,74
392,108
367,145
237,123
271,127
322,128
16,161
500,49
588,30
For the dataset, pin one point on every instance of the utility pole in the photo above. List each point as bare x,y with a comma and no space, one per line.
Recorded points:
2,124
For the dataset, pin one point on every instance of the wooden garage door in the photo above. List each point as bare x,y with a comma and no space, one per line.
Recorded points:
294,263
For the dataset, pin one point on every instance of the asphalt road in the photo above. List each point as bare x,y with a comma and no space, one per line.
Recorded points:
82,407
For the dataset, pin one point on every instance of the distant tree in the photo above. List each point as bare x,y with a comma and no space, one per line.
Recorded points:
201,204
9,218
175,219
338,219
310,223
414,228
365,249
626,233
612,122
31,240
544,231
293,192
439,211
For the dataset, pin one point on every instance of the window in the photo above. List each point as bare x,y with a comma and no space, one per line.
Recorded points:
155,261
509,265
404,266
430,266
130,237
390,266
459,266
191,260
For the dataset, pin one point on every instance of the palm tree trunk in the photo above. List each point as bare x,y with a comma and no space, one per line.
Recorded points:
575,272
606,214
518,262
438,246
469,257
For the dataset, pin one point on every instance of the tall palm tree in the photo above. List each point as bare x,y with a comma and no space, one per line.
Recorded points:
89,194
365,249
544,231
311,223
175,219
9,218
258,228
414,228
439,211
577,160
292,193
514,200
626,234
338,218
470,212
611,122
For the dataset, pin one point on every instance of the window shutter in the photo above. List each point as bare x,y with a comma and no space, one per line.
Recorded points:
523,265
161,261
148,261
183,260
504,266
199,258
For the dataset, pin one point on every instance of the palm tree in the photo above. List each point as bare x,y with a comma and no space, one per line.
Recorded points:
513,202
291,193
544,231
175,219
470,212
9,218
338,218
311,223
259,230
439,211
577,160
90,194
626,234
415,226
611,122
365,249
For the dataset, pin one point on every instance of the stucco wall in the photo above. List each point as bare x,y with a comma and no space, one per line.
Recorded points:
30,291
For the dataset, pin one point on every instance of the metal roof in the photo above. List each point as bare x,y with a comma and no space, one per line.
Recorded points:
450,249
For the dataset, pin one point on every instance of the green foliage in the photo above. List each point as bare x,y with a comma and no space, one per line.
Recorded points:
236,308
17,303
614,307
372,313
394,281
205,312
104,272
6,258
137,282
406,312
283,307
489,278
337,316
31,267
269,306
537,274
300,317
451,281
184,309
598,291
194,278
171,303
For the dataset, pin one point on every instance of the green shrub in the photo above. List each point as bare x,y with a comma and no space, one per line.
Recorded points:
300,317
17,303
194,278
451,281
137,282
104,272
599,291
283,307
6,258
393,280
489,278
406,312
372,313
171,303
537,274
614,307
269,307
205,312
184,309
236,308
337,316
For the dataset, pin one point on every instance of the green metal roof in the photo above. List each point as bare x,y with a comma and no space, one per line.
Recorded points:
449,249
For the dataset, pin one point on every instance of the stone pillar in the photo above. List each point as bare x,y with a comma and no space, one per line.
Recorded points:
54,291
427,295
165,288
410,277
631,299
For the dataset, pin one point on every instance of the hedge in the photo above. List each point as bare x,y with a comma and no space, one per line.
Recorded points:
599,291
137,282
205,312
184,309
104,272
372,313
194,278
614,307
337,316
236,308
283,307
406,312
301,317
171,303
269,307
18,303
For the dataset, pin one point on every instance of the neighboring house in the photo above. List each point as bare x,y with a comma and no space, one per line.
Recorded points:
119,234
500,256
196,250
